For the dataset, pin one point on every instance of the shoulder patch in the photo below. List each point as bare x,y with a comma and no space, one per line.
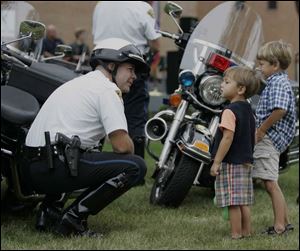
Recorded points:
151,13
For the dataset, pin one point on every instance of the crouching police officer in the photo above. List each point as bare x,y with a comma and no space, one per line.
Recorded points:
61,142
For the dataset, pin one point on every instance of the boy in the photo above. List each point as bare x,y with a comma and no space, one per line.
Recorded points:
276,119
233,149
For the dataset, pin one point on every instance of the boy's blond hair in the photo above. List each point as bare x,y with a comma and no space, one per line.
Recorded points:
276,52
244,76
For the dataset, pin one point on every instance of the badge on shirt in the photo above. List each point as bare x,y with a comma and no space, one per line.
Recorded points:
119,93
151,13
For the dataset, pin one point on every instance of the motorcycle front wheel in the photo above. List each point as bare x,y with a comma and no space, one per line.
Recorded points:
171,187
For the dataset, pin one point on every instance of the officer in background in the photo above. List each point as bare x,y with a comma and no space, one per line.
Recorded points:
135,22
91,108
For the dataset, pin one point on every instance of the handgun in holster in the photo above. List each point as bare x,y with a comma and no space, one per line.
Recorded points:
71,151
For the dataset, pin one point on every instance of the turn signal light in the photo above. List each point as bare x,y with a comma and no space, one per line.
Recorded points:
175,99
201,145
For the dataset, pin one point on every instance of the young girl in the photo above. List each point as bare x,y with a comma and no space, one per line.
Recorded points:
233,149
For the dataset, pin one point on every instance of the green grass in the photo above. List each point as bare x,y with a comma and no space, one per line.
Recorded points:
131,222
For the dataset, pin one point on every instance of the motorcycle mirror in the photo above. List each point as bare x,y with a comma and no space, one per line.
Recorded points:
29,29
63,49
173,9
32,28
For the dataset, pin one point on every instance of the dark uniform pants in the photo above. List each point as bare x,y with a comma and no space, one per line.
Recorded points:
136,111
94,170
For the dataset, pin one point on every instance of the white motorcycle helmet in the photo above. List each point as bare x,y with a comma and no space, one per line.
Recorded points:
118,50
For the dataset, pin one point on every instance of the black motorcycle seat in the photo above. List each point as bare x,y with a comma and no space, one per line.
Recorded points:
17,106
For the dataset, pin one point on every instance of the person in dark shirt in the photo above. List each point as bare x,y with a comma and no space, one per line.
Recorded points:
79,46
50,41
233,149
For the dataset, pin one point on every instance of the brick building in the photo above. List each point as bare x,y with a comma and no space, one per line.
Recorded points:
280,20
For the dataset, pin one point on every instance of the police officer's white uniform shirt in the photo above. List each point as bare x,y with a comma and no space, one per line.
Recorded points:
130,20
89,106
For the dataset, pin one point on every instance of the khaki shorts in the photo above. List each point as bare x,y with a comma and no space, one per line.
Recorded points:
266,160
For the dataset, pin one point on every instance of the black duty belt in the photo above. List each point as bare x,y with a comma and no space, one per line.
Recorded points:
40,153
67,149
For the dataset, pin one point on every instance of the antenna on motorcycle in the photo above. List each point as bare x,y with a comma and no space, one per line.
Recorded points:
175,11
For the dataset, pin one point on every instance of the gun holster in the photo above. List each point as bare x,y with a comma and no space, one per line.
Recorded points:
71,148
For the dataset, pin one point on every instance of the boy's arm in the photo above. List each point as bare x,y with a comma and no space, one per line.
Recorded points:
222,151
275,116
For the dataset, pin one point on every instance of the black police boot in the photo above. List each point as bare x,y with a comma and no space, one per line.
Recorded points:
90,202
47,217
73,222
49,212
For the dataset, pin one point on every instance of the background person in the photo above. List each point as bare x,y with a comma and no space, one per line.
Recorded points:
135,22
50,41
79,46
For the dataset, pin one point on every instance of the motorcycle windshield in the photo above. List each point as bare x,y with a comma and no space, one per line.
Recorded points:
231,29
12,14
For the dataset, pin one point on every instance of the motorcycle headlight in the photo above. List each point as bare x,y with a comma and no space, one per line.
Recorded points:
210,90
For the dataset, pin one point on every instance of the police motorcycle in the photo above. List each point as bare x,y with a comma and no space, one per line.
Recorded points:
27,80
18,110
228,35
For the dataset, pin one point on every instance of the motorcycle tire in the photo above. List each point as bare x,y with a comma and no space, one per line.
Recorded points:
178,185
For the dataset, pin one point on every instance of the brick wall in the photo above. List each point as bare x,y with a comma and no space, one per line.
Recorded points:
280,23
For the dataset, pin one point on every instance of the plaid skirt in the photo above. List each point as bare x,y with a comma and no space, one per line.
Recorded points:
234,185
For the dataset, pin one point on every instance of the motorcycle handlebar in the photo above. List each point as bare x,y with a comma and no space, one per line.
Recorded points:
169,35
13,59
180,39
